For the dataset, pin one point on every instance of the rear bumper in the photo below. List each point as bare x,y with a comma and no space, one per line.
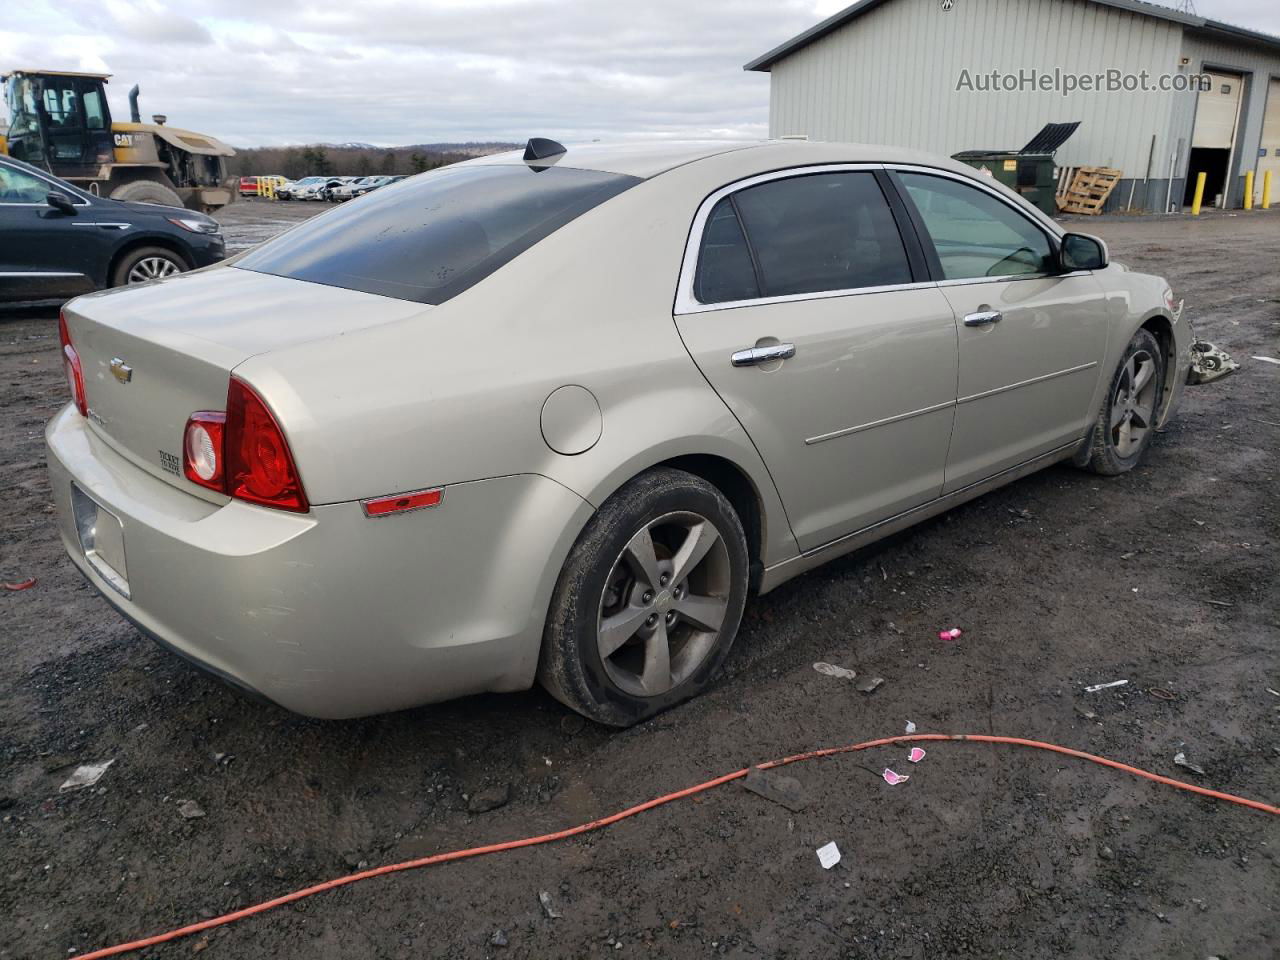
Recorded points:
329,614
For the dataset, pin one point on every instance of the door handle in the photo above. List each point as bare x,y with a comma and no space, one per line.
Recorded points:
753,355
982,318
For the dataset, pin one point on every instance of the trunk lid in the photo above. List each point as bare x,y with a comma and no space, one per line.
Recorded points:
154,354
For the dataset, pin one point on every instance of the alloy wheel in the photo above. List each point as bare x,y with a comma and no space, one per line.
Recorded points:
1134,403
152,268
664,604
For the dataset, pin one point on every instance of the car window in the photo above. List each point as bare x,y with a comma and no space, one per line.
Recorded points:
725,271
975,234
17,186
810,234
432,237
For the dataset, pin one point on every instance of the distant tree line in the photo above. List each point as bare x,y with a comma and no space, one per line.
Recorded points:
353,161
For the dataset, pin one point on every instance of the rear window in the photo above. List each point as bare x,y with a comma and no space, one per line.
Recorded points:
431,237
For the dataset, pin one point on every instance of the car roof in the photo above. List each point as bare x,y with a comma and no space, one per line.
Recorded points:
647,159
643,159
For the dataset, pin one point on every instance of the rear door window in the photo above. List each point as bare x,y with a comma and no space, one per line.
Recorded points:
814,233
431,237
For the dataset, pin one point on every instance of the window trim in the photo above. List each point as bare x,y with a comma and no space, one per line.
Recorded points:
686,302
1051,230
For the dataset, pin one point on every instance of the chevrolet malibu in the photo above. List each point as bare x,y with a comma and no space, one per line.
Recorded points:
553,416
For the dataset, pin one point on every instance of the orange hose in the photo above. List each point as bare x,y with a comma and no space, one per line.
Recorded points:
641,808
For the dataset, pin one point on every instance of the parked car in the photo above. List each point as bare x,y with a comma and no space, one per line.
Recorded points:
310,188
259,186
359,187
554,417
326,191
57,241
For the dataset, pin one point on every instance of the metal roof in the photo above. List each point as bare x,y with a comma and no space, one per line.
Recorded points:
834,22
57,73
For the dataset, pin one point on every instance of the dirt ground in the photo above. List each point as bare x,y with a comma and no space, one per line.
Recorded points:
1061,580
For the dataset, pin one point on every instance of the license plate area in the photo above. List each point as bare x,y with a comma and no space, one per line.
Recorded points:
101,539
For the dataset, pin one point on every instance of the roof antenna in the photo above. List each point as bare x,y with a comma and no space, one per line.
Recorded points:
1186,6
539,148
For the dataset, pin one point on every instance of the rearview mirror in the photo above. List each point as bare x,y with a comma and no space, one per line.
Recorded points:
61,202
1080,251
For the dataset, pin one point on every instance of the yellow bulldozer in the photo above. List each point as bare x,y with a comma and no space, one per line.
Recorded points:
60,122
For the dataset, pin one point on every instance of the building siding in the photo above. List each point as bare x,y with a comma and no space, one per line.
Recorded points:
890,77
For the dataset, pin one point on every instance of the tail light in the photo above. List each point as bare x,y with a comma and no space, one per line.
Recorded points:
71,366
243,453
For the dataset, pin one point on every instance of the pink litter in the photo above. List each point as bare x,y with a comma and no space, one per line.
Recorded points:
893,779
916,755
953,634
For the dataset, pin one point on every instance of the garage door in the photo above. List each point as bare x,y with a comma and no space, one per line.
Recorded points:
1269,151
1216,112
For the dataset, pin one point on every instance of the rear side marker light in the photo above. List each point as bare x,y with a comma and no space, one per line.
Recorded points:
402,502
71,367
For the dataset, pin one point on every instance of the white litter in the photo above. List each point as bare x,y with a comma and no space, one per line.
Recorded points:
829,855
1266,359
1105,686
1181,760
831,670
911,727
85,776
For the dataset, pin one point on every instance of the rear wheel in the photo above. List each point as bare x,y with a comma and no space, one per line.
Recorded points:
1126,423
649,601
146,191
147,263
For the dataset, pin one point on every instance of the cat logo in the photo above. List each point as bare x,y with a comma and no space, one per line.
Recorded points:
124,139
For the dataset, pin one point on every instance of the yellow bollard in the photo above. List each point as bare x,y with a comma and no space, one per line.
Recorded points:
1266,190
1248,190
1195,203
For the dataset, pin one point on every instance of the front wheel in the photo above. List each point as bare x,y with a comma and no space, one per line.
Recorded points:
649,601
147,263
1126,422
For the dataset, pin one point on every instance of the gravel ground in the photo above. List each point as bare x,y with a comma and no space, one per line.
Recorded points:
1061,580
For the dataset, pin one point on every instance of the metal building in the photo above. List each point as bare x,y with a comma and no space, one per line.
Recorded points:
1170,93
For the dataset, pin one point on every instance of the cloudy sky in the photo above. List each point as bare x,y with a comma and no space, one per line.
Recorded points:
268,72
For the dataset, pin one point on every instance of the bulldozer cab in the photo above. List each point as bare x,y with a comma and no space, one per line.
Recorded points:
59,122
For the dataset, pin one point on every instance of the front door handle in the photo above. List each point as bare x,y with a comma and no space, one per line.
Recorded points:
753,355
982,318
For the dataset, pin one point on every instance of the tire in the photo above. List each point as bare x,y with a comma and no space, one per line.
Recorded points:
147,263
603,581
1114,450
146,191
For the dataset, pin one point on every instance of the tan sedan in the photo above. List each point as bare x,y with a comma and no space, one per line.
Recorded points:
555,415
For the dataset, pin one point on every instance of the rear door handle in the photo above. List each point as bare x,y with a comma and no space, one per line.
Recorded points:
982,318
753,355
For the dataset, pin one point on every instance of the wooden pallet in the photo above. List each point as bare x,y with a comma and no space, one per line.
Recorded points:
1089,190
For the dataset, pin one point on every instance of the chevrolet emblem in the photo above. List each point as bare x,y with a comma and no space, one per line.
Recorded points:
121,370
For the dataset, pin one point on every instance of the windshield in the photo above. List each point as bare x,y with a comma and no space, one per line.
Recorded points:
431,237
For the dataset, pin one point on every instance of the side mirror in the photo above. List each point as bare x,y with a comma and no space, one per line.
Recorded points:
61,202
1079,251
